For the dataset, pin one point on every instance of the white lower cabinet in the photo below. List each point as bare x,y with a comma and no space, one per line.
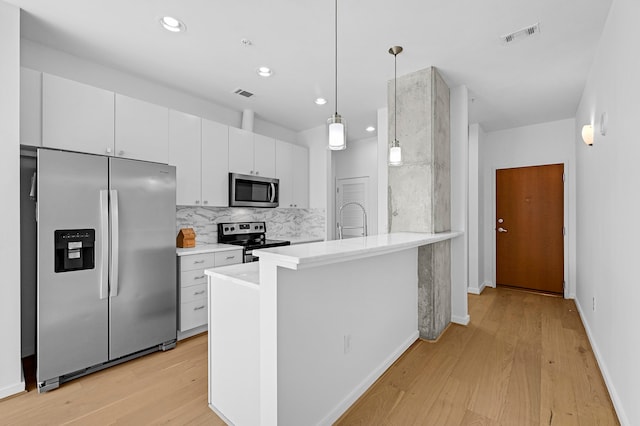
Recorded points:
192,285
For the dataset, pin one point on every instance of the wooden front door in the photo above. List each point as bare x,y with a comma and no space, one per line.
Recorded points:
529,227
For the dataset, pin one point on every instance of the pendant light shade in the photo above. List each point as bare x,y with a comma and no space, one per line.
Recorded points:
395,154
336,126
337,133
395,151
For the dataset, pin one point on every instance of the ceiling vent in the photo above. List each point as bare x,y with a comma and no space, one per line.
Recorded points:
520,34
242,92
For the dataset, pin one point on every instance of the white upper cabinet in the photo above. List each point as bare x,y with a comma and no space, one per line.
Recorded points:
30,107
184,153
240,151
284,172
292,169
215,164
251,154
264,156
300,177
142,130
76,116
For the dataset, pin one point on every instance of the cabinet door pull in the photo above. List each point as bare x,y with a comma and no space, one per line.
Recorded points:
198,292
196,262
230,257
197,308
199,277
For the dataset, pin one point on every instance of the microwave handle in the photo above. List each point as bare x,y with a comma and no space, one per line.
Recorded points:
272,188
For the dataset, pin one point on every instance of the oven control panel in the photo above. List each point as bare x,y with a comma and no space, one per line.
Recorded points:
241,228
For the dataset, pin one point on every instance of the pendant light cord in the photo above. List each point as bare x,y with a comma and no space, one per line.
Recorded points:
395,98
336,52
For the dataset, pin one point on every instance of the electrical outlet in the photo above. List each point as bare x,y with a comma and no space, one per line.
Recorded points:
347,343
594,303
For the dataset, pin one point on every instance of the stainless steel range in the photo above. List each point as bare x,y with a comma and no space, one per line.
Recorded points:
249,235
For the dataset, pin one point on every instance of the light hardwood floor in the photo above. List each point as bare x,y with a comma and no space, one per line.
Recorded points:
523,360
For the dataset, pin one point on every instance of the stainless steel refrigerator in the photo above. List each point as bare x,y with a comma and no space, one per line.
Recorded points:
106,263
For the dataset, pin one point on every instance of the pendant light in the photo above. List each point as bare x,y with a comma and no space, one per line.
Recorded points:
336,125
395,152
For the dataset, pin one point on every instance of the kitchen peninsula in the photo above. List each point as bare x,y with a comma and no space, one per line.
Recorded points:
299,336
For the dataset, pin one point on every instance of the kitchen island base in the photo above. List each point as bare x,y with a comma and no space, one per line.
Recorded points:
301,343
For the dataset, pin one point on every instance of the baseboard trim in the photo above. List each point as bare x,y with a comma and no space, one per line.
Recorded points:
479,290
359,390
192,332
617,404
460,320
11,390
219,414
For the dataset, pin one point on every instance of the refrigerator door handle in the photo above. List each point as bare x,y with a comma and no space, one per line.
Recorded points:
104,244
114,242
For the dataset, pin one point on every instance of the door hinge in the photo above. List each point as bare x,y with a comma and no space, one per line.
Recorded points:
338,190
564,232
563,177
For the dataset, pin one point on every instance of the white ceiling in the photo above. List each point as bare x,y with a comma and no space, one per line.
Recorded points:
529,81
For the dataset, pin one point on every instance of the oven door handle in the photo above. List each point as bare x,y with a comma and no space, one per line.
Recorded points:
272,190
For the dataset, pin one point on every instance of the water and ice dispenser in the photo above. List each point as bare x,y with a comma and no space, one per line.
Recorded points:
74,249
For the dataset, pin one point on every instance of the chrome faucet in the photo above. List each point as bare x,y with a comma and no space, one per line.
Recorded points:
364,220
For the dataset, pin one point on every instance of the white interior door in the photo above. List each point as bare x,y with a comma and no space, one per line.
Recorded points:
351,219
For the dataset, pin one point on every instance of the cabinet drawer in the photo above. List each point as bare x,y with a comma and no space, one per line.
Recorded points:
191,278
197,261
193,314
228,257
196,292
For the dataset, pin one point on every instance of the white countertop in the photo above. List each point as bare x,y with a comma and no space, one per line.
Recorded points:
320,253
206,248
247,274
299,240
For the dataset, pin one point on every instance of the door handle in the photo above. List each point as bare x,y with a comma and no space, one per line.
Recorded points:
104,243
501,229
115,242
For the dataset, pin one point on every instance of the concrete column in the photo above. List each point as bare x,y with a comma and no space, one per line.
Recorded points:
420,189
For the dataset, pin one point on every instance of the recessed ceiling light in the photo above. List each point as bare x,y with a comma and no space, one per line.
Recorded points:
320,101
370,129
264,72
172,24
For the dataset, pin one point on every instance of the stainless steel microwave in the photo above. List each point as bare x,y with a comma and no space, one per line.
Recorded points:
252,191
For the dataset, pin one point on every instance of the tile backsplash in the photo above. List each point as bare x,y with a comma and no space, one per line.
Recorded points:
283,223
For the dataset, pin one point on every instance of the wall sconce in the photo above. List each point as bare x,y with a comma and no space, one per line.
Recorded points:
587,134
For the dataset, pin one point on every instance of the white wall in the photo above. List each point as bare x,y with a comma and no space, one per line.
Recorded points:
546,143
360,159
459,116
483,242
608,188
42,58
475,212
11,381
